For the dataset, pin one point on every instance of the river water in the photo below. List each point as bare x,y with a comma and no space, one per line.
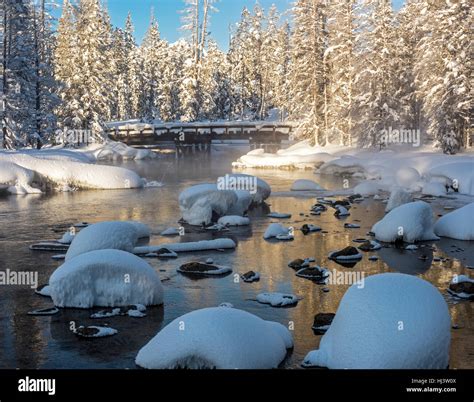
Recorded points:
47,342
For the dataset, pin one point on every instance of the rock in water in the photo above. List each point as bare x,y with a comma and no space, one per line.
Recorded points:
316,274
94,331
44,311
322,321
407,326
199,268
370,245
277,299
250,276
462,287
346,254
299,263
309,228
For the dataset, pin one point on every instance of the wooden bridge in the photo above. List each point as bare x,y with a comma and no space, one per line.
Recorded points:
192,137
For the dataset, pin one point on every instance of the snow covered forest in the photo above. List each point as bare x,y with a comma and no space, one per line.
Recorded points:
344,70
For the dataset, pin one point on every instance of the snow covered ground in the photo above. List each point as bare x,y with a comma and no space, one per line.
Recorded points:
422,169
67,169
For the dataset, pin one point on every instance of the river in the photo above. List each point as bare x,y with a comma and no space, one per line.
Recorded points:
47,342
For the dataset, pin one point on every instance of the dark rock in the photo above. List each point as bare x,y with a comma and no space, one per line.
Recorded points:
462,287
343,203
87,331
313,273
360,240
325,290
197,267
297,264
322,320
366,246
345,252
250,276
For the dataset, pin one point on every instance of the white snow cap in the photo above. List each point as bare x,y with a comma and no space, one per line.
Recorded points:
107,235
216,337
395,321
458,224
412,221
234,220
105,278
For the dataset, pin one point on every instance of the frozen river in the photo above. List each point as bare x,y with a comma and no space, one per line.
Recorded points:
46,342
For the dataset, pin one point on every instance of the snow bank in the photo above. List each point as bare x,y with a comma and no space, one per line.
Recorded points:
411,222
305,185
64,172
16,179
222,338
434,188
105,278
106,235
398,196
458,224
395,321
112,151
370,187
234,220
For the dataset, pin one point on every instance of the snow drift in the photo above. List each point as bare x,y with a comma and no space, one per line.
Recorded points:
16,179
217,337
105,278
395,321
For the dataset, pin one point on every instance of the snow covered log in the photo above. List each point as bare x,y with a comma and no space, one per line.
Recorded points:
409,222
458,224
202,245
217,337
105,278
395,321
107,235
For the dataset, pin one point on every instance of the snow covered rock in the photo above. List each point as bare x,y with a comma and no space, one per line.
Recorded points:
462,286
106,235
398,196
316,273
250,277
202,245
276,299
274,230
170,232
113,151
202,269
404,324
94,331
279,215
346,254
234,220
370,187
105,278
305,185
322,322
310,228
221,338
409,222
458,224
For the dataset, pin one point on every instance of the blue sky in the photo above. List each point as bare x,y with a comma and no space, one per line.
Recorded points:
167,13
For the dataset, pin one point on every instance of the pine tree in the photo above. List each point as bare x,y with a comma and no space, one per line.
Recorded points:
444,72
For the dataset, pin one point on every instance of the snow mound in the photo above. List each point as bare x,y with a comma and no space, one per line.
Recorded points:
202,245
346,164
222,338
457,224
105,235
305,185
458,174
274,230
411,222
395,321
143,231
105,278
398,196
65,172
370,187
234,220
